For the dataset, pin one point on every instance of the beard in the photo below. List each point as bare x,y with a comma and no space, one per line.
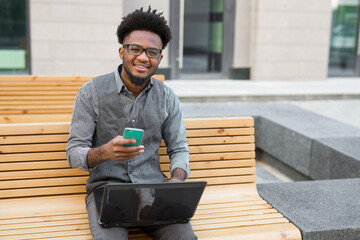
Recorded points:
138,81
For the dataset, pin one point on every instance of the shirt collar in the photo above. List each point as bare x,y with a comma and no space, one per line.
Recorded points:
120,84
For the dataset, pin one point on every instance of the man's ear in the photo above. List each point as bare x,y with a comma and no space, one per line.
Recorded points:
121,53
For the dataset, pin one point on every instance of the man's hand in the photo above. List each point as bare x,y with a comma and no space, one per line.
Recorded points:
178,175
114,150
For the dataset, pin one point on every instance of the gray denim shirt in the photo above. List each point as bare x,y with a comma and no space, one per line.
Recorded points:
104,107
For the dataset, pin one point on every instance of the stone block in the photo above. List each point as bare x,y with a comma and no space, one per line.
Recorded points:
333,158
322,210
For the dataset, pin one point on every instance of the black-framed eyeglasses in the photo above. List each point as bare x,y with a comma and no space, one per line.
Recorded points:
137,50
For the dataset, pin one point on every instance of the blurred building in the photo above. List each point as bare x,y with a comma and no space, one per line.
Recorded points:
212,39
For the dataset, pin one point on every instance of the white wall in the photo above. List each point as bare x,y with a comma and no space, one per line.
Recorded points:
74,37
290,39
78,37
242,34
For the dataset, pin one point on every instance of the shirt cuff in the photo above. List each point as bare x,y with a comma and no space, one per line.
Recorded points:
78,158
181,160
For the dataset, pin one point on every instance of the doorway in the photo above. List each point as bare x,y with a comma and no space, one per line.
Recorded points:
204,28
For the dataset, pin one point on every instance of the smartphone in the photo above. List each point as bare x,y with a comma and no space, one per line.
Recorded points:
133,133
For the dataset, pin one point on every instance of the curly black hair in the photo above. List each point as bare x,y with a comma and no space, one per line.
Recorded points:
141,20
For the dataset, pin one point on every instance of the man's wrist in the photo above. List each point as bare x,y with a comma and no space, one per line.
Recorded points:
178,174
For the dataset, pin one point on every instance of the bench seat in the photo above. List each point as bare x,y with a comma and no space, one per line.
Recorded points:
42,198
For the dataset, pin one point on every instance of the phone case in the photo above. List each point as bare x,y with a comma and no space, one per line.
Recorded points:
133,133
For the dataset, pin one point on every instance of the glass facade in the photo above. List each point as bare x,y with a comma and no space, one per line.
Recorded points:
343,59
203,36
14,39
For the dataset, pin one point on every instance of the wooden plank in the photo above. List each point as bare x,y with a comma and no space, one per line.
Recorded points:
34,139
36,107
215,148
37,98
55,232
37,93
34,165
237,224
13,222
220,132
224,122
25,103
36,111
34,78
226,180
43,182
230,204
222,172
33,128
26,157
214,156
215,164
30,88
29,228
42,191
35,118
220,140
27,148
13,175
4,84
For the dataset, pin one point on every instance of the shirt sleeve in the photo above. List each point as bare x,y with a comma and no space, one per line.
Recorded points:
174,133
82,128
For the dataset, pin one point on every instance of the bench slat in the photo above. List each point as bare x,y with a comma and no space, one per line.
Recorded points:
215,156
13,175
28,157
28,148
238,224
23,103
216,164
35,139
33,128
215,148
199,123
43,191
220,132
39,118
14,222
31,183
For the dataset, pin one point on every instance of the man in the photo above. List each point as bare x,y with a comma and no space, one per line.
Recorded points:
130,97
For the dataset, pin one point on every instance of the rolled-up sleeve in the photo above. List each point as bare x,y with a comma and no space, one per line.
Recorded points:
174,134
82,127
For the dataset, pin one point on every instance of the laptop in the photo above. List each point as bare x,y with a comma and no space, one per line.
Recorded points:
146,204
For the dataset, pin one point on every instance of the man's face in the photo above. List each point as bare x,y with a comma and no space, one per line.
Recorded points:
138,69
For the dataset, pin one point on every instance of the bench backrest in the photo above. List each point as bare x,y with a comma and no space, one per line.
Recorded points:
41,94
33,158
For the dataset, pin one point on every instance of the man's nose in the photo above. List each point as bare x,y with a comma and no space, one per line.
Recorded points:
143,57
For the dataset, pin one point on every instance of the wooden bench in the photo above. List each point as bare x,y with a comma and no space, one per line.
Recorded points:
42,198
39,95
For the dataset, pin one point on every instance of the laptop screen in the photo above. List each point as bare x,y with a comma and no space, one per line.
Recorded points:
147,204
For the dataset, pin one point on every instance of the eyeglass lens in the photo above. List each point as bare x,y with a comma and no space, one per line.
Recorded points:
150,52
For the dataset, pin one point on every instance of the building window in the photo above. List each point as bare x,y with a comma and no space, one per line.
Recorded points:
14,40
344,59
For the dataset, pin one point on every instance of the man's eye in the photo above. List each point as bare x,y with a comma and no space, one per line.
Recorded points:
152,52
135,49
